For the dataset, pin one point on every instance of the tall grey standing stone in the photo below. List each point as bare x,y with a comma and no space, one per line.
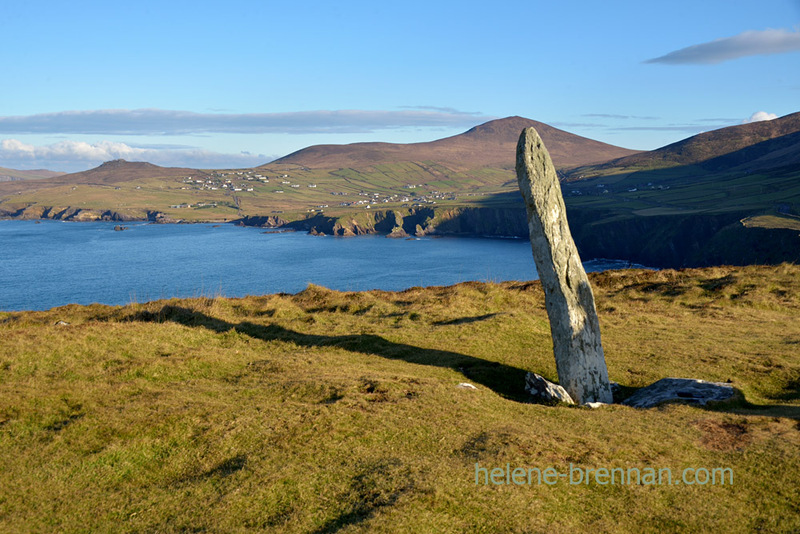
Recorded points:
568,296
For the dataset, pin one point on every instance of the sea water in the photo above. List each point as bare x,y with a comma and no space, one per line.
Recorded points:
44,264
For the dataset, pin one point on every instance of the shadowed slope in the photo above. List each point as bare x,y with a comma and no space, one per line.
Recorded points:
718,144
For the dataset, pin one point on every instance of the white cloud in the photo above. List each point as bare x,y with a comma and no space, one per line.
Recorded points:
20,149
749,43
72,156
170,122
760,116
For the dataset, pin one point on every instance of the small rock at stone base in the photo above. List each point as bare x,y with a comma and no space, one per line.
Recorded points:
544,390
596,404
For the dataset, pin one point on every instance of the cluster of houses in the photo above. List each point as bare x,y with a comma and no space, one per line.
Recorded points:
603,189
378,198
198,205
226,180
236,181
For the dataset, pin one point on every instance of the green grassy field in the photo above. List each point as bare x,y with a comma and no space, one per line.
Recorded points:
295,192
683,190
305,190
341,412
771,221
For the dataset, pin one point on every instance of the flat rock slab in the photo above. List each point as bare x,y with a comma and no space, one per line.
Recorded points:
685,390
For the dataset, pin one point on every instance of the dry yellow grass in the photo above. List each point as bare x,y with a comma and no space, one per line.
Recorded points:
340,412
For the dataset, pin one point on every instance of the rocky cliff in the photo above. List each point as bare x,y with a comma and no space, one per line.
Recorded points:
492,222
660,241
71,213
665,241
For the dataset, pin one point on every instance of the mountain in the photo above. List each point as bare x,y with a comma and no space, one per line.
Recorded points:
755,146
10,175
119,170
492,144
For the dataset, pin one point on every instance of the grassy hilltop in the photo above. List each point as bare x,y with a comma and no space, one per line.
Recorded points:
341,412
468,169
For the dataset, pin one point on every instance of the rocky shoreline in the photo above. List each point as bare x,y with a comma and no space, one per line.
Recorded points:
669,241
71,213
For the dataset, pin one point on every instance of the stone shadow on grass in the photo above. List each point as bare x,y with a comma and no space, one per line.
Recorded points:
504,380
465,320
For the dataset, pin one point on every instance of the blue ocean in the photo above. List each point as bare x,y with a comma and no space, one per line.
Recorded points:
44,264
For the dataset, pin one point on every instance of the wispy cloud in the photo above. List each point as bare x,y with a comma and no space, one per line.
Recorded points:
749,43
699,125
447,110
691,128
613,116
170,122
561,124
686,128
78,155
720,120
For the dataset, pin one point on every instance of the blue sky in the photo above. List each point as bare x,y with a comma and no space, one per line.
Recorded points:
238,83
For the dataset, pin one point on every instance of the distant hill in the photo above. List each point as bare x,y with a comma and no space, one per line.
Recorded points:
119,170
9,175
755,146
492,144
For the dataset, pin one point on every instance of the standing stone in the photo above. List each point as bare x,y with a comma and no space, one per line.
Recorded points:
568,296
